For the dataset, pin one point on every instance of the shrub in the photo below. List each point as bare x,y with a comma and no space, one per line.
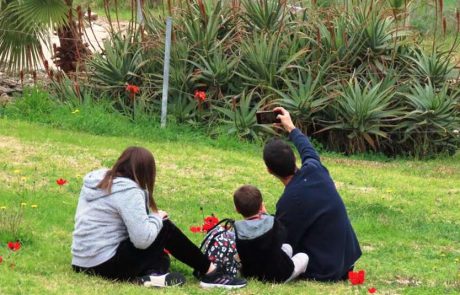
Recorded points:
431,123
238,116
345,71
363,114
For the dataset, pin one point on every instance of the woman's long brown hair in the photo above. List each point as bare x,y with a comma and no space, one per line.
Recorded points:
137,164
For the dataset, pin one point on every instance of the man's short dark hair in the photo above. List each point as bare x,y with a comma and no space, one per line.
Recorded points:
279,157
248,200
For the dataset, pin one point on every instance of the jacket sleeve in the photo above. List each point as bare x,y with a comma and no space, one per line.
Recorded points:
142,228
304,146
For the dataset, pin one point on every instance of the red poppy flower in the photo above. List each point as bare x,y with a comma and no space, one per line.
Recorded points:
1,259
195,229
206,227
372,290
209,223
132,89
200,95
356,278
14,246
211,220
61,182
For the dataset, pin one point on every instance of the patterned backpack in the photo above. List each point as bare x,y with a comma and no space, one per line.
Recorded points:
220,247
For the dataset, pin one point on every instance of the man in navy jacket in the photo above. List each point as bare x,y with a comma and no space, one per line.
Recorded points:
310,207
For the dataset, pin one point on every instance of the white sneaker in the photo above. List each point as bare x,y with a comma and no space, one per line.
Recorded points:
164,280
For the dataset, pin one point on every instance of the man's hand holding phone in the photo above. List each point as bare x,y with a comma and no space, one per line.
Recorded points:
267,117
285,118
279,116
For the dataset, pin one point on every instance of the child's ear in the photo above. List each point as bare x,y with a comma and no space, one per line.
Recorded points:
262,208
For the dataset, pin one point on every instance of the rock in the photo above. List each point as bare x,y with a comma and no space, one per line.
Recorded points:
6,90
4,99
11,83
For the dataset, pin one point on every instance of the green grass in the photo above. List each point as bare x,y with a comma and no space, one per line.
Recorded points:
404,212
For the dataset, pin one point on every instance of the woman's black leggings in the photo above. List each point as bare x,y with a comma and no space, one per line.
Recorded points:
130,262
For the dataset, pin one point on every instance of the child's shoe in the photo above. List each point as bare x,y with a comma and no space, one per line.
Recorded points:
217,279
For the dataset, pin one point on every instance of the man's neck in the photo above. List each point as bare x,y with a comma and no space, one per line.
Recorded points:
286,180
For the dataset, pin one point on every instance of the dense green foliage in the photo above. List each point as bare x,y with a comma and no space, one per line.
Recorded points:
346,73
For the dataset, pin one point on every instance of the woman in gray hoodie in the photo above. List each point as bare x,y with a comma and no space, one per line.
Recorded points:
121,235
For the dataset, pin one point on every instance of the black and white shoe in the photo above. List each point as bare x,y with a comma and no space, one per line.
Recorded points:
217,279
163,280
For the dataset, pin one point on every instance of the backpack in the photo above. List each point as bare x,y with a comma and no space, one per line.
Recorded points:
220,247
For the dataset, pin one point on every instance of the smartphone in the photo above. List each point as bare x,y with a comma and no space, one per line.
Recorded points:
267,117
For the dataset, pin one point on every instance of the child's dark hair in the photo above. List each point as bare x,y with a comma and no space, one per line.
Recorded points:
248,200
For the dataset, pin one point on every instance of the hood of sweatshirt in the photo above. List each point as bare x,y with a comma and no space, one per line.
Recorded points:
251,229
91,192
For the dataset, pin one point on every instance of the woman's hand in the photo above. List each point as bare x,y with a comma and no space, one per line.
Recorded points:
163,214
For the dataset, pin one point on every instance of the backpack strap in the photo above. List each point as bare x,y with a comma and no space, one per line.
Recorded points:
227,223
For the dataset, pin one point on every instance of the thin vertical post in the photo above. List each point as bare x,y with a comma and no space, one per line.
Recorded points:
140,16
164,101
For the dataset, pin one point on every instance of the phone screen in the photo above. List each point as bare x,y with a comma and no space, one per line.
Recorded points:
267,117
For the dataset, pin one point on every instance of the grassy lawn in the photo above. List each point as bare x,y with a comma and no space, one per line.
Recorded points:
405,212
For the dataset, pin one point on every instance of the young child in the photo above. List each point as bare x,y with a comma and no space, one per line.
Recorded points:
259,241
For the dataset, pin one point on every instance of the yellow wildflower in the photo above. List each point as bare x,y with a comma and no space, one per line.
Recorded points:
34,206
17,171
3,207
23,204
76,111
23,178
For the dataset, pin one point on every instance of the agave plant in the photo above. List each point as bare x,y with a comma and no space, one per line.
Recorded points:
264,59
379,34
120,64
303,98
182,107
431,68
204,26
363,115
238,117
214,70
432,120
264,15
340,41
71,91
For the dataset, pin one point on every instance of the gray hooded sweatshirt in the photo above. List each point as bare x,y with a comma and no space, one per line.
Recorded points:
104,220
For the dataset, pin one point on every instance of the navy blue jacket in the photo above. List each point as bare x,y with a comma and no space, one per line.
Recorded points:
315,217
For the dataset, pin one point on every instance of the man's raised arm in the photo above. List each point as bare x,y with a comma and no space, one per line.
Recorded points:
300,140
